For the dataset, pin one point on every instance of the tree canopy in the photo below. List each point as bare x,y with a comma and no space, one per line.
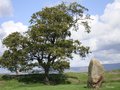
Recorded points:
47,41
14,56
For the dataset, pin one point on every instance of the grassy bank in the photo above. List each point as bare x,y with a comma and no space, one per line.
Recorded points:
77,81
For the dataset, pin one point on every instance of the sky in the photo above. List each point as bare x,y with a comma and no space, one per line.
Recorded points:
104,39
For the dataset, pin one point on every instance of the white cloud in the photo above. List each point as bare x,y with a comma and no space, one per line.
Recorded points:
104,38
112,13
9,27
6,8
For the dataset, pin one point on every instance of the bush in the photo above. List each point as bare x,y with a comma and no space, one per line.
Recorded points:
37,78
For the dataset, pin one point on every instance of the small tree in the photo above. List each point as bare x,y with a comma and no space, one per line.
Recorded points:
14,56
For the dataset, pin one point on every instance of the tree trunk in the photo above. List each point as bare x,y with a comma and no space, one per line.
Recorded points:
16,71
47,75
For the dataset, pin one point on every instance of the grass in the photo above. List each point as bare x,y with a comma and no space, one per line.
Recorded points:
77,82
12,85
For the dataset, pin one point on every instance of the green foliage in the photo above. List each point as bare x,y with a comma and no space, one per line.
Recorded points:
60,65
14,56
37,78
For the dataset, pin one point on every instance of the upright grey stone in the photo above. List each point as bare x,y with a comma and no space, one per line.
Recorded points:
95,74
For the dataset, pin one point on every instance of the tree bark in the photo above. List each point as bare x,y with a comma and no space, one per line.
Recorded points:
16,71
46,69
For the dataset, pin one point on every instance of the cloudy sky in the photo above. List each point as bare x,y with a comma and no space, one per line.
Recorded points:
104,39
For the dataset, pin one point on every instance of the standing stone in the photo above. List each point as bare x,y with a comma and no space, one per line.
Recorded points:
95,74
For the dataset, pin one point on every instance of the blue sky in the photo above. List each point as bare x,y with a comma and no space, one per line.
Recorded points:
22,10
105,28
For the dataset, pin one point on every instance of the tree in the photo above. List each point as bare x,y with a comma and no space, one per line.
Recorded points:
49,34
14,56
47,41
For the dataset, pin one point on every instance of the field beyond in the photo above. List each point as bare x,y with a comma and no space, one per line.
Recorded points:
77,81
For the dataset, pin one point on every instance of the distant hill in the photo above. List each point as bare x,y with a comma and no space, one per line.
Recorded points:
107,67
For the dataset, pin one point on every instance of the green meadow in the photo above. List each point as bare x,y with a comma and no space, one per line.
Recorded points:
74,81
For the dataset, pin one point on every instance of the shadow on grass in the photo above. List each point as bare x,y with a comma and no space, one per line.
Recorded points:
38,78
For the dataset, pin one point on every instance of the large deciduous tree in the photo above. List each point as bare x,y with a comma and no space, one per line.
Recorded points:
49,34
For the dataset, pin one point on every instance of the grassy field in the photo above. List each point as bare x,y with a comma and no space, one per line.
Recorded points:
77,82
